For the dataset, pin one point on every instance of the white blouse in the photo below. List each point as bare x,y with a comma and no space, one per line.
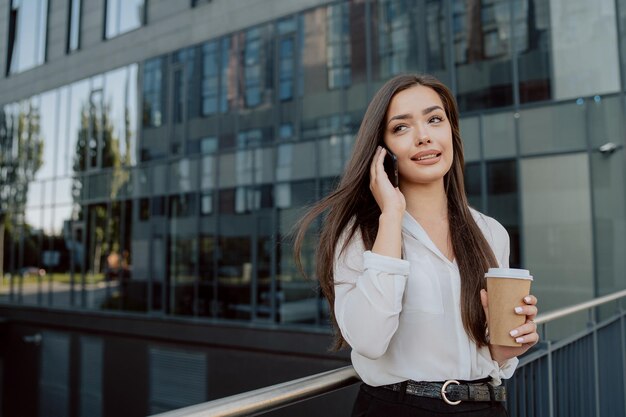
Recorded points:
402,317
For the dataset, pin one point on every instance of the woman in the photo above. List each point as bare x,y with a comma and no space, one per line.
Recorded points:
403,268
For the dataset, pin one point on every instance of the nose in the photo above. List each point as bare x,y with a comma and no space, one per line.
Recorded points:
423,140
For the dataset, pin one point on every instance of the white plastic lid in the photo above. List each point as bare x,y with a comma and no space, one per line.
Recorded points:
509,273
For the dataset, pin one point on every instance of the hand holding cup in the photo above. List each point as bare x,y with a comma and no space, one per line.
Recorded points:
510,310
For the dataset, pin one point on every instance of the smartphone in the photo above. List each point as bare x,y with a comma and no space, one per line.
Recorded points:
391,167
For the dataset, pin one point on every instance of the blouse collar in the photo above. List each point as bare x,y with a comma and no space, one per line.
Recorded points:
412,227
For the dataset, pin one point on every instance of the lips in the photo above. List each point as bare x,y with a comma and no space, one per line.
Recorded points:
430,155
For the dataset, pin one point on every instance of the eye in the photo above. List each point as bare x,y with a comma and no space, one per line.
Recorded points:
399,128
435,119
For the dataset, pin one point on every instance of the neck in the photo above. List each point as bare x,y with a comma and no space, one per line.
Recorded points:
426,202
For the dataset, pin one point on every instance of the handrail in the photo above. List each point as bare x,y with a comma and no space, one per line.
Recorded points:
272,397
566,311
275,396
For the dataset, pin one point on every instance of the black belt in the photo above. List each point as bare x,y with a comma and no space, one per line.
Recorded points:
452,391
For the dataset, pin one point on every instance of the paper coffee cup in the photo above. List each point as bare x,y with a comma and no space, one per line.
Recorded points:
506,289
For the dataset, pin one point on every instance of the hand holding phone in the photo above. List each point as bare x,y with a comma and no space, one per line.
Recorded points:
391,167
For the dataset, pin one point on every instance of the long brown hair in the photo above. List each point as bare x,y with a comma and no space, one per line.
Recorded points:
353,200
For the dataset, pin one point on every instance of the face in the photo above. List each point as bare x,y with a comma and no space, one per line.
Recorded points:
418,132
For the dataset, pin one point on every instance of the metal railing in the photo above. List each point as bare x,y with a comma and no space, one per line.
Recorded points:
565,378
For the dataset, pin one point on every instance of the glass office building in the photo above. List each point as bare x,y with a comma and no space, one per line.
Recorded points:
167,186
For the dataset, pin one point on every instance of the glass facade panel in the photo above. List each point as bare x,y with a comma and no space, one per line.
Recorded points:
47,109
558,128
473,185
503,202
298,299
498,135
621,7
251,127
154,87
557,228
321,104
531,40
396,37
606,120
470,133
583,34
210,77
28,22
123,16
481,36
608,189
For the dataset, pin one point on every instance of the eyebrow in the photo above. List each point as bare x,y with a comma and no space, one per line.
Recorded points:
408,116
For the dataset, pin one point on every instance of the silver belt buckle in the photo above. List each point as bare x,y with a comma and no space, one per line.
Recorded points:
443,391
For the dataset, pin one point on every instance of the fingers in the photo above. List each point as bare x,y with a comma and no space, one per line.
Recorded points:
530,311
528,339
530,300
526,333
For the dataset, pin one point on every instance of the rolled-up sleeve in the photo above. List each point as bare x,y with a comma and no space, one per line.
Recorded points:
504,371
368,297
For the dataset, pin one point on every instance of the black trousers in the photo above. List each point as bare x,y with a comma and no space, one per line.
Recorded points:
381,402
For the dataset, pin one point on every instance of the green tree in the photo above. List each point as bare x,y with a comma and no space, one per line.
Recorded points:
99,147
21,156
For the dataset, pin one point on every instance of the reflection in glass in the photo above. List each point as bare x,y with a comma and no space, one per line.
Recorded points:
234,267
556,128
253,57
503,202
396,38
184,88
78,126
482,33
210,77
182,254
473,185
28,22
298,300
499,135
153,92
320,105
73,37
123,16
48,131
531,37
582,35
606,120
207,241
470,132
338,51
609,203
556,220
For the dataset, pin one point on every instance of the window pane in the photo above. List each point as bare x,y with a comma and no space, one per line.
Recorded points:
473,187
74,25
499,135
610,226
470,133
482,33
531,32
503,202
123,16
557,228
584,34
28,21
552,128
